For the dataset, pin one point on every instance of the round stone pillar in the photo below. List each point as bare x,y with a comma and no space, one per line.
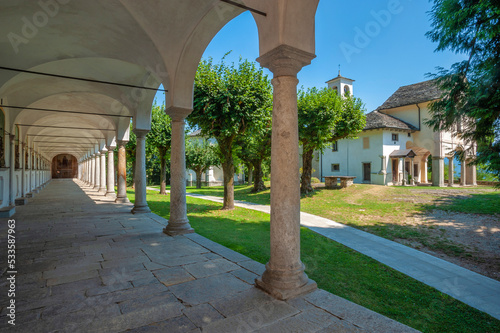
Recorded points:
12,166
178,222
102,181
140,204
450,171
110,180
97,174
284,276
121,196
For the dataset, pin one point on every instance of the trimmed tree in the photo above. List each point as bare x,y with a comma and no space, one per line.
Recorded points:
160,137
227,99
325,117
255,149
469,106
200,156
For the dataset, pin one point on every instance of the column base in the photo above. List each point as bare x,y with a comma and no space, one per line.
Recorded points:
21,201
110,194
140,210
36,190
29,195
122,200
174,229
285,294
102,190
285,284
7,212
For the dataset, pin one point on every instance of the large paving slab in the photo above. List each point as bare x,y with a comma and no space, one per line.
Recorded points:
476,290
86,264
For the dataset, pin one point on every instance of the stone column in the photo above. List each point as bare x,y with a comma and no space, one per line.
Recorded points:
12,166
438,171
423,170
23,172
178,222
140,204
404,181
473,175
463,173
383,168
121,196
97,174
450,171
412,182
92,170
284,276
102,181
37,175
110,180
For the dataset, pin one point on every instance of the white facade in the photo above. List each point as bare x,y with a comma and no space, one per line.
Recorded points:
375,156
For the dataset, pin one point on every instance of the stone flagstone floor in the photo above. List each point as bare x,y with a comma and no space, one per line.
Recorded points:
86,264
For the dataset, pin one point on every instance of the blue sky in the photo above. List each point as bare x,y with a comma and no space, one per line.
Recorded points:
390,51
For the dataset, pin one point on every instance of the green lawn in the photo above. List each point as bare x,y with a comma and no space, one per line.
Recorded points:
335,268
386,211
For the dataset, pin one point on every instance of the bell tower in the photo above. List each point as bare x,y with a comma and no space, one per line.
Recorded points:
341,85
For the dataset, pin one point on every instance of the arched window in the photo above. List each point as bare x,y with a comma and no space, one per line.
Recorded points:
347,91
2,139
16,140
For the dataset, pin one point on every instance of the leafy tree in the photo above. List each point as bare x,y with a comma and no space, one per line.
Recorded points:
325,117
160,137
200,156
470,104
228,99
255,149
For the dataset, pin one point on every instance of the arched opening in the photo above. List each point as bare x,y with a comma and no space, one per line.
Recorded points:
64,166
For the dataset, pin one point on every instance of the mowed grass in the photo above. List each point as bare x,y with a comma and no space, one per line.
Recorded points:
336,269
386,211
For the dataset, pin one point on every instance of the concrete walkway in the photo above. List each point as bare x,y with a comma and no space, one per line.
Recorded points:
86,264
462,284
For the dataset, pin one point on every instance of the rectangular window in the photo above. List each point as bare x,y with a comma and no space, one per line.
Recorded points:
335,146
366,143
395,137
335,167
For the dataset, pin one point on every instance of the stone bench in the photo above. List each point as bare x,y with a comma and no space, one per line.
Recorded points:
332,181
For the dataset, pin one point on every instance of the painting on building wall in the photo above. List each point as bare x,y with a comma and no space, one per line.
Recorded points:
64,166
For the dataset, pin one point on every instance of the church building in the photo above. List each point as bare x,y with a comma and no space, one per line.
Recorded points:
396,145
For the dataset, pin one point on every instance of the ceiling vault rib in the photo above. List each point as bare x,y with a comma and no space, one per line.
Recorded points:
244,7
63,111
67,127
79,79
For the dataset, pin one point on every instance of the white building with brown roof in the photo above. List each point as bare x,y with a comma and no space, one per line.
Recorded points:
396,145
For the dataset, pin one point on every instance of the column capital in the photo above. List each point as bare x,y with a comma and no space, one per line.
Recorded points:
121,142
140,133
285,60
110,148
178,113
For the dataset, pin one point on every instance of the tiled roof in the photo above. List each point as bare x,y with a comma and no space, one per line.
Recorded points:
414,93
376,120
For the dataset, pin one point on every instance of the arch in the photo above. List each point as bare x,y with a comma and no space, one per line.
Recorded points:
64,166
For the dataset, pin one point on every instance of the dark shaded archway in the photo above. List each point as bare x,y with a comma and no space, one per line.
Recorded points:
64,166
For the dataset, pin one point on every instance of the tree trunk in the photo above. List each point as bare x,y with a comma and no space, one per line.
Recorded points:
163,172
250,174
228,171
305,179
198,178
258,184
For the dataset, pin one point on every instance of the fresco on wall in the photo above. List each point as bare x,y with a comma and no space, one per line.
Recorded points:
64,166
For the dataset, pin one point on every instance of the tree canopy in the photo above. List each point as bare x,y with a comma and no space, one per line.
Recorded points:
227,100
325,117
159,138
200,156
470,103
